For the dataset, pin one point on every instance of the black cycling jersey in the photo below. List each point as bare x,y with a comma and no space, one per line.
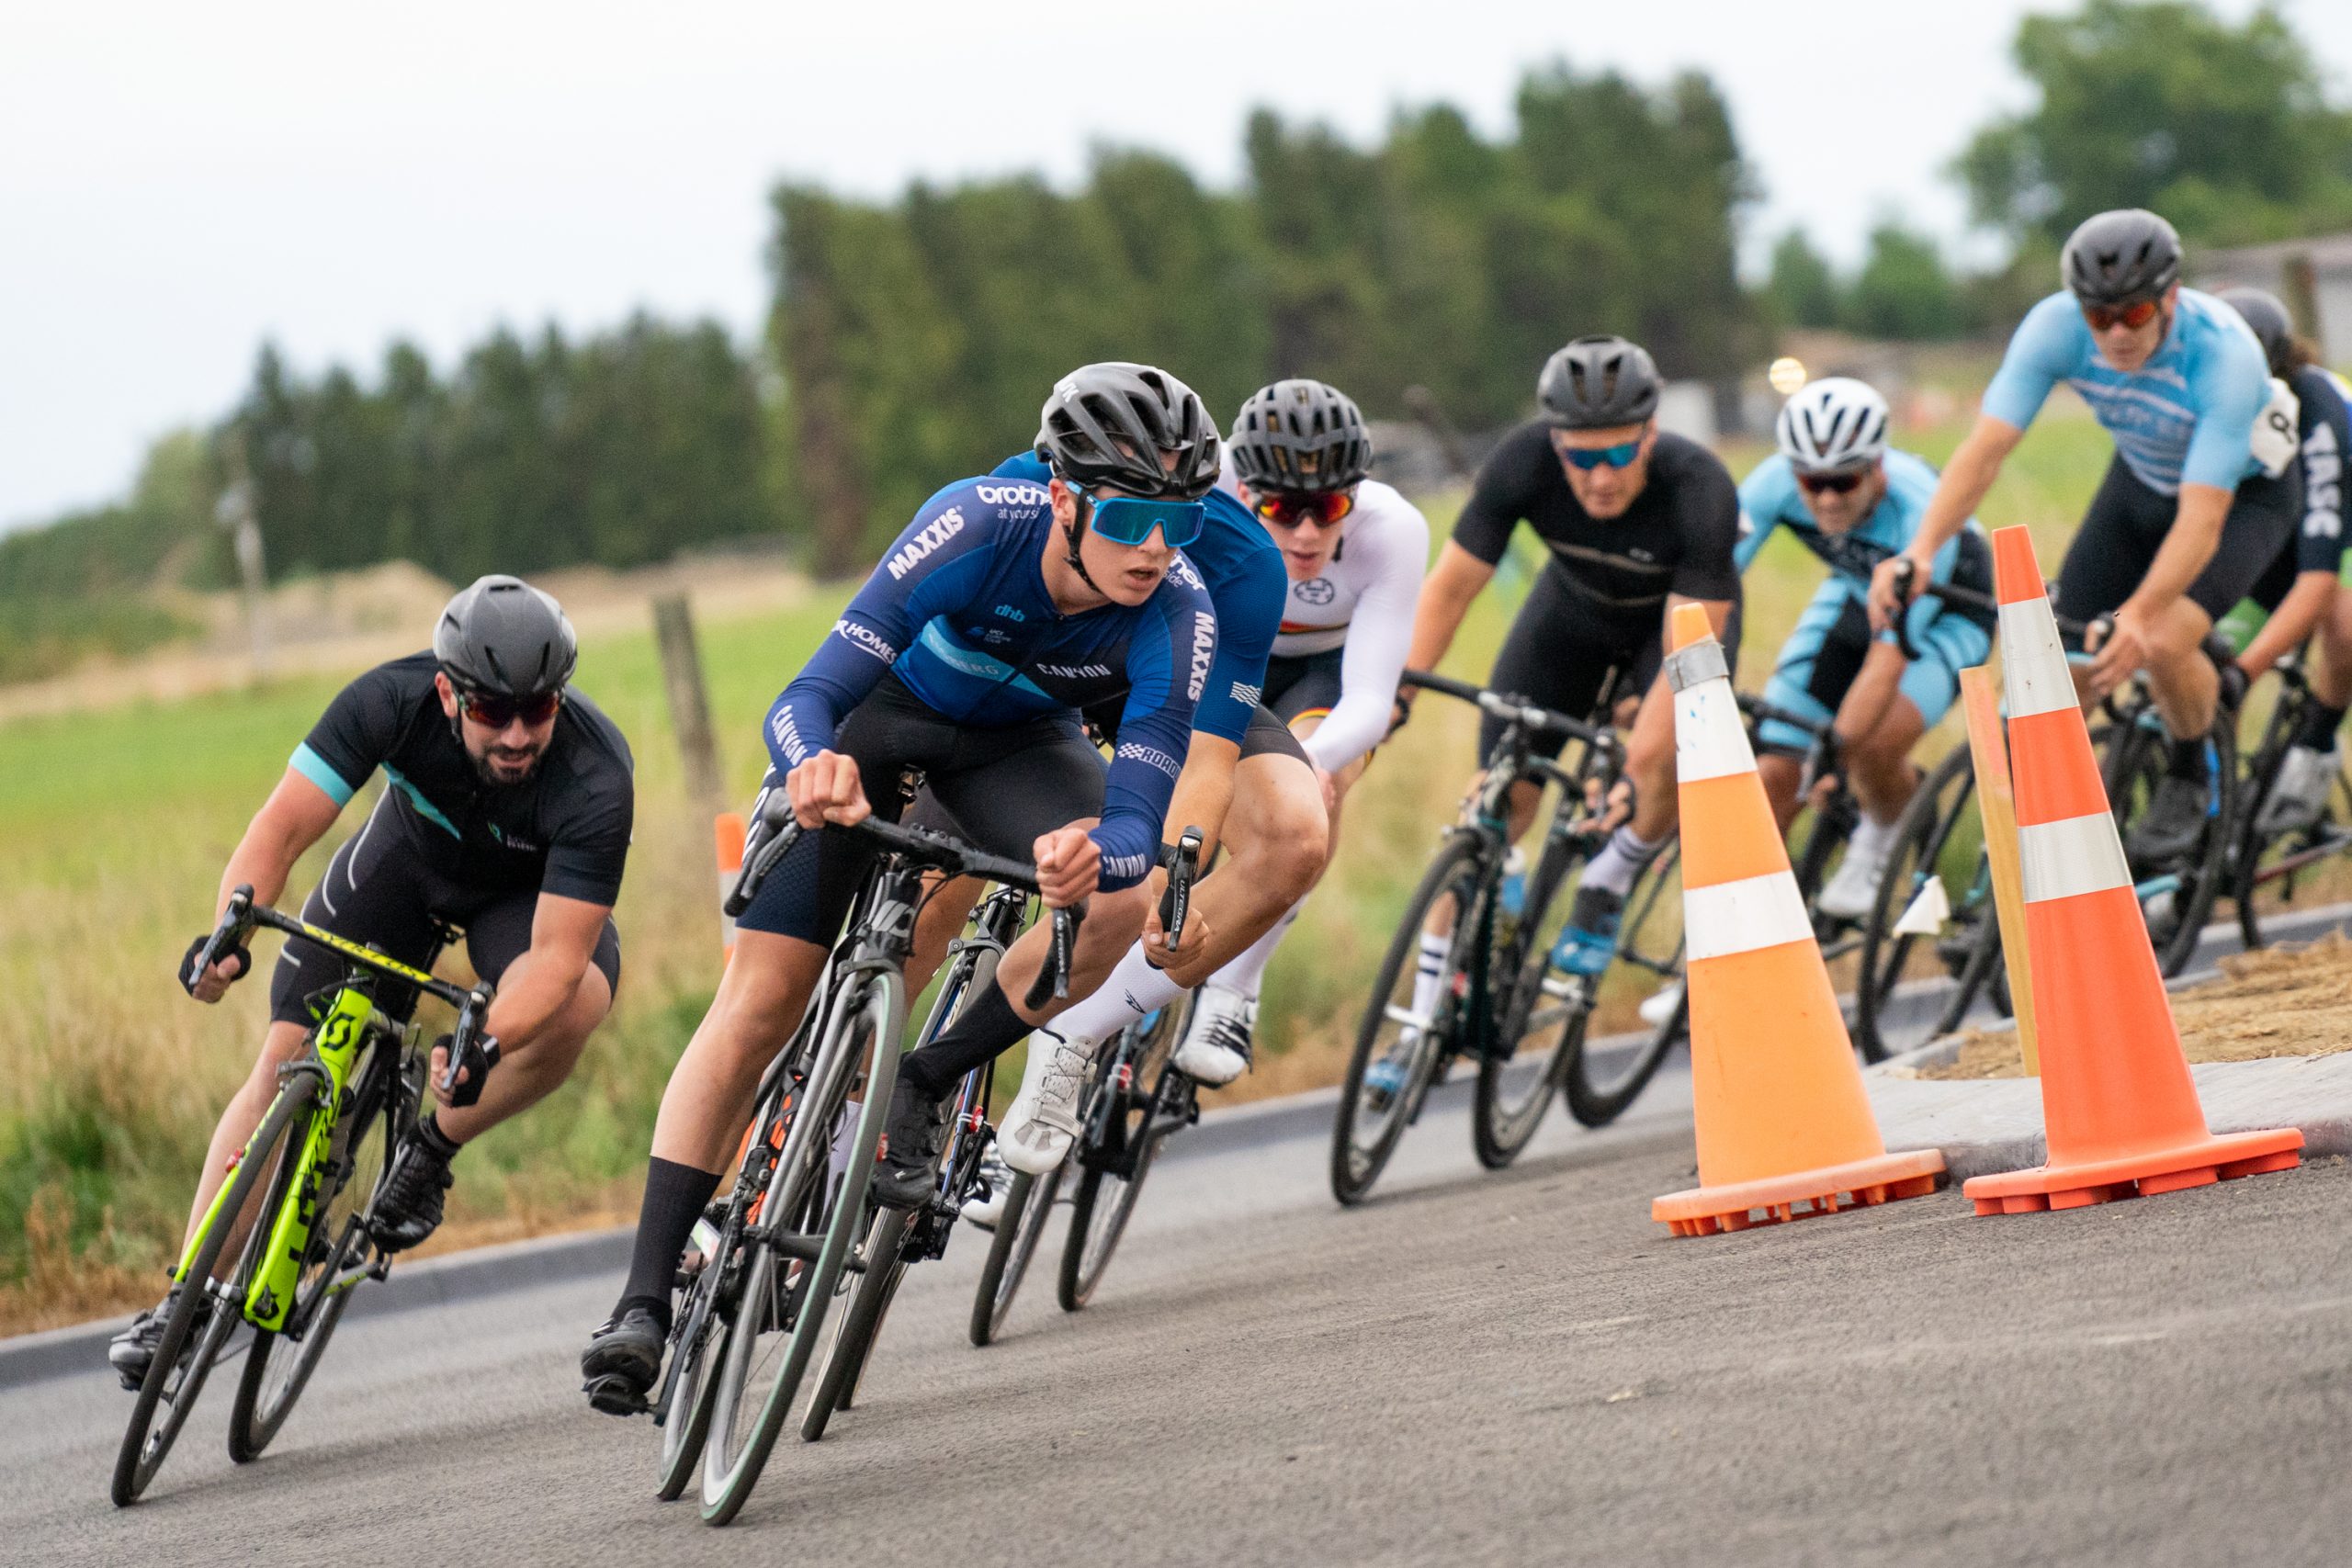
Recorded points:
1677,537
564,831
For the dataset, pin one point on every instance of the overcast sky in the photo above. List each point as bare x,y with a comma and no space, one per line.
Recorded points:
179,182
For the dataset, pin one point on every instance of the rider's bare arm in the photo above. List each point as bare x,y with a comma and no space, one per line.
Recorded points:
2290,623
540,983
2189,544
1452,583
295,816
1966,481
1203,790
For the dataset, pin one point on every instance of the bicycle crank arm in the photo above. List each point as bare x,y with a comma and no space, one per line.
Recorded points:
804,1249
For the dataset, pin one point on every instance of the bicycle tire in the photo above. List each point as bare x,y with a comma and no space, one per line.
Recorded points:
1028,1210
143,1448
686,1425
2130,757
1501,1126
1595,1093
256,1417
873,1021
2252,870
1086,1255
1355,1167
1923,842
854,1334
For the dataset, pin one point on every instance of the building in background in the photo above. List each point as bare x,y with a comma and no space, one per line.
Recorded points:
2313,276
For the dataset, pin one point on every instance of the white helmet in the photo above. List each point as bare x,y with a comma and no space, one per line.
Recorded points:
1832,424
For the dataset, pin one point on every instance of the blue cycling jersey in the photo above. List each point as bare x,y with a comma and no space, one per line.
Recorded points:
958,610
2187,416
1768,500
1247,586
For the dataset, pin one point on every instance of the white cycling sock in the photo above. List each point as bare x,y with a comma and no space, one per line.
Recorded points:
1620,861
1246,972
1134,990
1431,971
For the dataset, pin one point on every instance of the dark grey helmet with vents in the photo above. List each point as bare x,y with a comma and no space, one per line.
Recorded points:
2267,316
2120,257
504,636
1596,383
1114,423
1301,437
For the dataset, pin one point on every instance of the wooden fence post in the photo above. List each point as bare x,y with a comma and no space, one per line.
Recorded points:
673,633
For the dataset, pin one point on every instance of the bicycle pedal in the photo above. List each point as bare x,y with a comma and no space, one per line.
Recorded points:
612,1394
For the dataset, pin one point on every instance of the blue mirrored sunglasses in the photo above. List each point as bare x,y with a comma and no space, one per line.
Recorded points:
1591,457
1129,519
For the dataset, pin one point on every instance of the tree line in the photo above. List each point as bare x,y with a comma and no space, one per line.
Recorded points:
912,341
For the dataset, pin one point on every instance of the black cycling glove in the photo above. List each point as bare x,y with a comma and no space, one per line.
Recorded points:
480,1056
244,956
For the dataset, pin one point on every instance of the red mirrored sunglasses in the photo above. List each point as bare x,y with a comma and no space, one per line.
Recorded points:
1288,510
2137,314
495,712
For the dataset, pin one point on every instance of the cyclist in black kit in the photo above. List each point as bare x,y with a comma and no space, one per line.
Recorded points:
1637,521
508,816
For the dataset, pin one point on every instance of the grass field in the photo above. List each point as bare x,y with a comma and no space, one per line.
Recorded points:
114,827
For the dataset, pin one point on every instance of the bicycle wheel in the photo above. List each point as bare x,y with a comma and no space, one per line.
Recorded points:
1105,1199
1028,1209
787,1300
173,1380
1598,1084
1375,1108
1542,1015
854,1331
1940,838
2174,898
686,1425
279,1366
2269,870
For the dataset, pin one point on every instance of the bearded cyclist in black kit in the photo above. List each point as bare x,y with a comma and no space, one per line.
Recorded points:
1637,521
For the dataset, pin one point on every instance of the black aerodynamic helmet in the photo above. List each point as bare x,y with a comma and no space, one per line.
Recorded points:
1300,436
1110,424
1598,382
2120,257
504,638
2271,324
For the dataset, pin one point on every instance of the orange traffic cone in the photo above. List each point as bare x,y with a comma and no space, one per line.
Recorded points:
2117,1099
1785,1130
730,826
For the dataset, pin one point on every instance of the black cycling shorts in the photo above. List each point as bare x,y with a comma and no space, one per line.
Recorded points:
2126,525
1306,686
1267,734
1558,656
378,890
1001,790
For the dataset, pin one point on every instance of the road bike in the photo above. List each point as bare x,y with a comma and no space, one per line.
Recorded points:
1138,1098
287,1238
769,1283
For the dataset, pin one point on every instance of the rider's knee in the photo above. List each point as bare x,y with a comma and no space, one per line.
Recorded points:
1649,753
1114,921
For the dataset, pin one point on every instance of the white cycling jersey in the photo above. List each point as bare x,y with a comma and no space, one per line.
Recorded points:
1362,602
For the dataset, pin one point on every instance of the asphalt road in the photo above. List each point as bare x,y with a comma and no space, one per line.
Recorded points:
1474,1368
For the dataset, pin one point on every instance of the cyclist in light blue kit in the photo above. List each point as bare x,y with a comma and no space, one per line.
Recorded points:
2201,497
1836,486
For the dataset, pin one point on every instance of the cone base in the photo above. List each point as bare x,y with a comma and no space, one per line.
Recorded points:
2199,1163
1775,1199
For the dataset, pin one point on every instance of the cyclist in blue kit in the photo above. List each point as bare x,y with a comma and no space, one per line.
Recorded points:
1841,491
1002,610
2198,501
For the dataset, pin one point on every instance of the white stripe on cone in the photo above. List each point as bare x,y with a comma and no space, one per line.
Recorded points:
2072,856
2033,663
1709,740
1741,917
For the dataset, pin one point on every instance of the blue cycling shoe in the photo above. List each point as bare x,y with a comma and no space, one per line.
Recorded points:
1587,944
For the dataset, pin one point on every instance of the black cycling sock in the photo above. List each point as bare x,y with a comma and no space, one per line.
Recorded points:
429,1133
2187,759
2320,725
674,1198
988,1029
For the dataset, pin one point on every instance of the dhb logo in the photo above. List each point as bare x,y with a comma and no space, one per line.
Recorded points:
1008,612
935,532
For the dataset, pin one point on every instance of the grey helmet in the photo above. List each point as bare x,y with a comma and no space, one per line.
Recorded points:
1109,423
2272,326
1301,437
1599,382
2120,257
504,638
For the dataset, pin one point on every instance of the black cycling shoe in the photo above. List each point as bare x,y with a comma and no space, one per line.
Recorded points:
623,1361
133,1351
917,1131
408,1208
2174,824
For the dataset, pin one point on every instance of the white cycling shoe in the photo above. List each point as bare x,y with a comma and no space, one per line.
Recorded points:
1854,890
2300,795
985,1211
1660,1005
1217,1048
1043,1121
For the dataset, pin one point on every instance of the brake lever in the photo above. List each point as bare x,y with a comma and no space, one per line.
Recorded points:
760,858
467,1034
1053,976
1905,569
227,937
1176,898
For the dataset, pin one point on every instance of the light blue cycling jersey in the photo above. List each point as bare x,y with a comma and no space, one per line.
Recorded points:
2187,416
1770,499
